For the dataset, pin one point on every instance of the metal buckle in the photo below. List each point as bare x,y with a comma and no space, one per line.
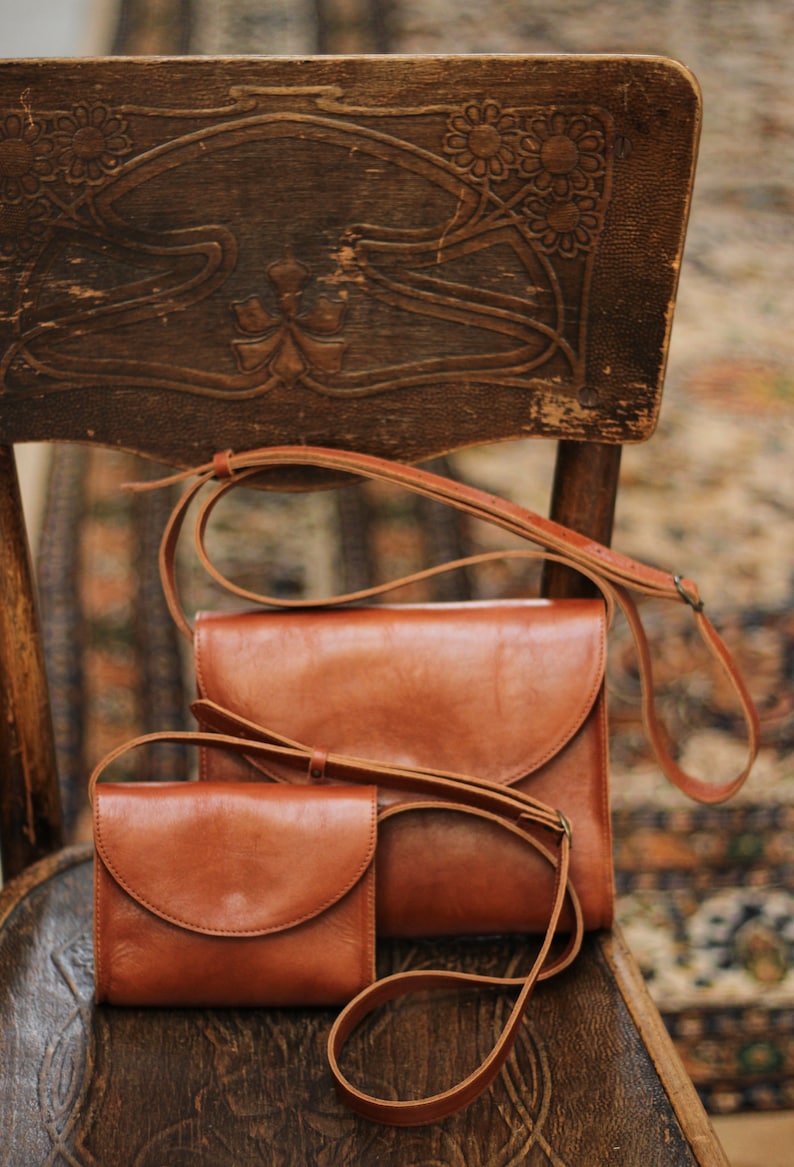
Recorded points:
697,605
566,827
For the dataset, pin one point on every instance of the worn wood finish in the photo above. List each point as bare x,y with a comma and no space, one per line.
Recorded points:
400,256
30,819
232,1086
393,254
583,497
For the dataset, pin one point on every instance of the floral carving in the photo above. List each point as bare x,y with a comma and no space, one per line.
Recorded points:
557,161
25,158
562,155
49,164
90,143
482,141
567,226
289,344
22,226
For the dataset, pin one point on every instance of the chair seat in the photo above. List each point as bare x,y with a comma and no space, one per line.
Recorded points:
92,1085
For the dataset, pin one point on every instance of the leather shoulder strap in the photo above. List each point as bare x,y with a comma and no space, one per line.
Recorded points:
509,809
616,575
420,1112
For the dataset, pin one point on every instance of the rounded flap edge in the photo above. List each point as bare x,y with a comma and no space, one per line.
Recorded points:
235,859
445,676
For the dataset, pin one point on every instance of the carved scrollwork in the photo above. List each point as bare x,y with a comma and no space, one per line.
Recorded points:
457,247
65,1078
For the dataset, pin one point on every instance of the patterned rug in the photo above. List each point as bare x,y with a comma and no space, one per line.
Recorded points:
706,896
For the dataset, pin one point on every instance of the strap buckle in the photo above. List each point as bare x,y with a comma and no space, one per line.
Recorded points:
696,604
566,827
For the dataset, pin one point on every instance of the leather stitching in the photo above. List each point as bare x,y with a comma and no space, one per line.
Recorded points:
107,861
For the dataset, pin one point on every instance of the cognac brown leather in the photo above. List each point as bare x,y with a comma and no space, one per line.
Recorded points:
512,692
614,574
252,894
250,930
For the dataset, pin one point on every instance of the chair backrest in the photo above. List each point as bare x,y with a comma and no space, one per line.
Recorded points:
399,255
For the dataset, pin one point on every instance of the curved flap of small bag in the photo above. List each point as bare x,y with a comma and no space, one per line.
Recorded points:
235,859
491,689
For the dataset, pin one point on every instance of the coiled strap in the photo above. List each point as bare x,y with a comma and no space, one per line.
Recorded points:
616,575
510,809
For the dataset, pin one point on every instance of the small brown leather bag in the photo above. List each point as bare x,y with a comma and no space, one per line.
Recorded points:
228,894
233,894
510,691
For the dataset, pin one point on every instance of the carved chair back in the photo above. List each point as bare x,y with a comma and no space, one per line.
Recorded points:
399,255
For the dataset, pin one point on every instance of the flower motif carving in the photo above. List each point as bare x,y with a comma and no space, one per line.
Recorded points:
25,158
482,141
563,156
49,164
564,226
559,159
22,226
90,143
291,344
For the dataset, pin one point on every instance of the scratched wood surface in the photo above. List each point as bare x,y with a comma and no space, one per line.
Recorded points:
334,250
115,1087
403,257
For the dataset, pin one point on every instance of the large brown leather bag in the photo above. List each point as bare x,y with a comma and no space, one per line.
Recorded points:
509,691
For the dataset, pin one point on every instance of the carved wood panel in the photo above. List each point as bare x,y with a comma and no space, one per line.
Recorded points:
262,242
87,1086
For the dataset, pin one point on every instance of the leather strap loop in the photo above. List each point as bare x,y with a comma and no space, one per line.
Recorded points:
511,809
420,1112
616,575
317,764
248,738
221,464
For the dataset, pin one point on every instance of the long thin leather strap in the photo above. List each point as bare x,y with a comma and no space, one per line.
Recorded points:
614,574
491,798
421,1111
510,809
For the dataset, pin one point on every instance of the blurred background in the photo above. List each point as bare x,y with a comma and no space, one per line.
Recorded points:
706,897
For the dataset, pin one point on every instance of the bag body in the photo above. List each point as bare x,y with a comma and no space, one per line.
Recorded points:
511,691
474,737
230,895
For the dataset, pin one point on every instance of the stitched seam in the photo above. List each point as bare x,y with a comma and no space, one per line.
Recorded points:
98,950
581,716
368,965
606,818
193,927
370,921
198,639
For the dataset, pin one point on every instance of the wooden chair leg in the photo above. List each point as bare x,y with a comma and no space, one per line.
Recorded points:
30,815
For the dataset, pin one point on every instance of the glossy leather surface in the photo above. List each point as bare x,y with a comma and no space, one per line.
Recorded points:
233,894
509,691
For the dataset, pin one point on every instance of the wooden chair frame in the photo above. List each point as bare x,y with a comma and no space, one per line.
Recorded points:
400,255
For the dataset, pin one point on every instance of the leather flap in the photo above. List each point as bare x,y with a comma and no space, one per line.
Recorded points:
235,859
491,689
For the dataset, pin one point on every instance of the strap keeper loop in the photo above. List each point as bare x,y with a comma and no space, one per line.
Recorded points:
222,465
317,765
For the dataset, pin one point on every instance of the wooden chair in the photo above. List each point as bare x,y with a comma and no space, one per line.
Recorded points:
403,256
